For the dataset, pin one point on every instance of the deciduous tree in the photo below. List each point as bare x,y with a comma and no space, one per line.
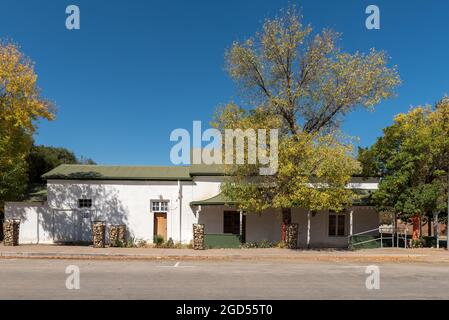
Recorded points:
304,85
21,106
412,157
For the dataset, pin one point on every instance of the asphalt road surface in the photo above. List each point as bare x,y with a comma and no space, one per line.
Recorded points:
47,279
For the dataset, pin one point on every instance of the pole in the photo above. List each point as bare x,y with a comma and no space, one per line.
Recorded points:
241,226
397,237
308,229
351,222
395,229
381,238
180,210
447,223
435,223
351,227
405,237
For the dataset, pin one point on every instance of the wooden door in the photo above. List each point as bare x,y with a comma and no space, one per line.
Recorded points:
160,225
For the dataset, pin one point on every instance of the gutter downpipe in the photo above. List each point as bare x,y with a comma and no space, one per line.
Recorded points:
180,210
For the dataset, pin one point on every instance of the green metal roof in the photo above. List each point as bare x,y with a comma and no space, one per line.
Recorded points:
96,172
207,170
217,200
220,199
168,173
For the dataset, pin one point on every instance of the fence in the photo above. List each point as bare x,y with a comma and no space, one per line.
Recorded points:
386,237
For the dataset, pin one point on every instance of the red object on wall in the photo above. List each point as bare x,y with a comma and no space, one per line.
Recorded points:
416,221
283,232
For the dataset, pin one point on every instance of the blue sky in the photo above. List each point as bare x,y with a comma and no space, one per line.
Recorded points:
136,70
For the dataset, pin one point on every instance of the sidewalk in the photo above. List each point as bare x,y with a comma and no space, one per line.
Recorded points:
80,252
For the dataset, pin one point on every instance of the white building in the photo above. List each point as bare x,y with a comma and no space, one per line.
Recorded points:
167,201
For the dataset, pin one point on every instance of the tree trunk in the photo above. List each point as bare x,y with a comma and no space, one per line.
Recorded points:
416,221
420,226
286,219
429,226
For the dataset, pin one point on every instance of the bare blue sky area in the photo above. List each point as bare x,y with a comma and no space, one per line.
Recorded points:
136,70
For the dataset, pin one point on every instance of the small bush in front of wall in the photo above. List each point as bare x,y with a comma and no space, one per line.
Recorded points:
262,245
418,243
141,243
170,243
179,245
131,243
119,244
250,245
158,240
281,245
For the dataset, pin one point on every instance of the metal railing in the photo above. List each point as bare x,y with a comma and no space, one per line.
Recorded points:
394,234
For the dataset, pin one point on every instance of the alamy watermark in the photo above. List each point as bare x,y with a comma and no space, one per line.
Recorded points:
73,280
373,20
373,280
259,149
72,22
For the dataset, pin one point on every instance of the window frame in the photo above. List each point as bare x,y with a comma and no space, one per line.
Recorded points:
85,203
163,206
235,222
338,218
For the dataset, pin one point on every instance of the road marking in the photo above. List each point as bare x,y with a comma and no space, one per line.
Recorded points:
177,265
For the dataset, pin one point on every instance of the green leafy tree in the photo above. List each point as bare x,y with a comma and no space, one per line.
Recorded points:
43,159
412,156
304,85
21,106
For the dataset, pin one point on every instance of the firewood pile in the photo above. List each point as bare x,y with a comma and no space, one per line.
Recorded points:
117,235
291,236
11,232
98,234
198,237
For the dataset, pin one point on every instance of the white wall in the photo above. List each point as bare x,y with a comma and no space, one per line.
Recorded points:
264,226
117,202
129,203
206,187
267,225
34,221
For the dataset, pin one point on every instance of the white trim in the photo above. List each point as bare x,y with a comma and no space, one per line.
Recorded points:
363,185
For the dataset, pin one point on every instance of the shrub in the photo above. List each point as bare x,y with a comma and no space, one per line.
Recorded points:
261,244
418,243
131,243
281,245
169,243
158,240
141,243
119,244
266,244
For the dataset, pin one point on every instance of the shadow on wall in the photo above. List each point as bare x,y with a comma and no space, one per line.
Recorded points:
105,207
66,223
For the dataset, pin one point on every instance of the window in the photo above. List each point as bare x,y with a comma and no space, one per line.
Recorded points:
159,206
231,222
84,203
337,223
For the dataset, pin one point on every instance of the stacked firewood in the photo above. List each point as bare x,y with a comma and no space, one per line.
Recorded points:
117,235
198,236
11,232
99,231
291,236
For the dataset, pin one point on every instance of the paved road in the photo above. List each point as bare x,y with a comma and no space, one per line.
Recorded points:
46,279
